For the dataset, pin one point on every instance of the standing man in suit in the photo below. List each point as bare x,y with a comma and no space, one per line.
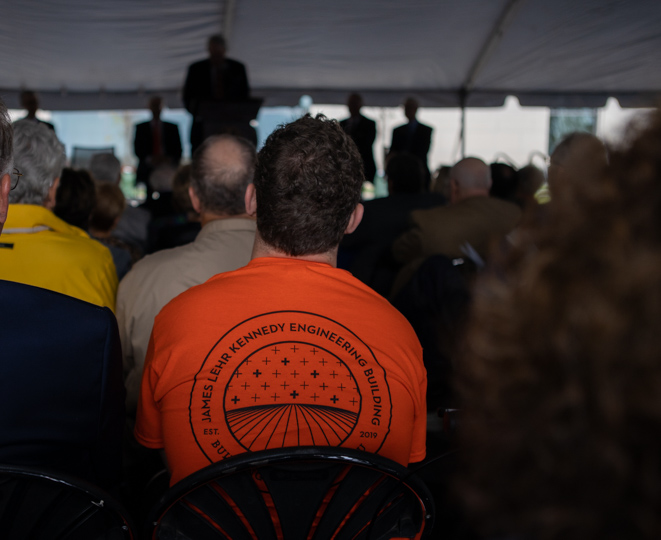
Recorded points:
216,78
156,143
30,103
412,137
363,132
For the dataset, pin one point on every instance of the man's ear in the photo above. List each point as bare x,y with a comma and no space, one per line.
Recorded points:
52,192
5,187
194,199
355,219
251,200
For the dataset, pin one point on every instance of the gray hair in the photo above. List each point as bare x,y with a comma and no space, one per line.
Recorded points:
40,157
6,142
105,168
222,168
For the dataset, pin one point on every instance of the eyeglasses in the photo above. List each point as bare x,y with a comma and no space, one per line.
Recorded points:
15,177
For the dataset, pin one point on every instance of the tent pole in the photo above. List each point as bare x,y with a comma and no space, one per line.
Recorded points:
462,132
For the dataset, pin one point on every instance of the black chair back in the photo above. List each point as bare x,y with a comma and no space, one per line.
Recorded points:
296,493
39,505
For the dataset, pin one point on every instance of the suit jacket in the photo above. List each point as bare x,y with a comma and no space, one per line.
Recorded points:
198,88
143,146
61,389
363,133
416,142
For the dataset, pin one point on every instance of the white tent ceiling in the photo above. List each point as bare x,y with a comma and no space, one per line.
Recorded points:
82,54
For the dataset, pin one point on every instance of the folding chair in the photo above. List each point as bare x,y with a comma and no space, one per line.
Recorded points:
40,505
296,493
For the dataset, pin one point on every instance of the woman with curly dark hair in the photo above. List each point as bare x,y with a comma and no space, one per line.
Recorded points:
561,380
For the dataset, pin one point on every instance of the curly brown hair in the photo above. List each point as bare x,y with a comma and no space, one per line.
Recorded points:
561,376
308,181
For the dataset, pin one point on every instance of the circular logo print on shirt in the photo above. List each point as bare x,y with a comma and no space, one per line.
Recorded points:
289,379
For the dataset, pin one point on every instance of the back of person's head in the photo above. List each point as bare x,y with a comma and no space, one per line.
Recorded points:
221,170
561,378
308,182
110,205
105,168
405,173
75,198
440,182
180,196
40,157
529,180
6,141
470,176
161,178
579,157
503,181
29,101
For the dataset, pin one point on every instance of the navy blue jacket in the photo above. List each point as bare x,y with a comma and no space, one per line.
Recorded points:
61,388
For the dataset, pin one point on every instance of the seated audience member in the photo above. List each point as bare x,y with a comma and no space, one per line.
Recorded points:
222,168
108,210
368,248
75,198
504,181
62,397
578,158
183,226
529,180
440,182
472,221
39,248
132,226
561,378
288,350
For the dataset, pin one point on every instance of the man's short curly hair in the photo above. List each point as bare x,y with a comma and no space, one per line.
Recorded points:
561,380
308,181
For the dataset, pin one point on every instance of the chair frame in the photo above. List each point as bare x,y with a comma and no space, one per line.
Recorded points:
71,501
396,485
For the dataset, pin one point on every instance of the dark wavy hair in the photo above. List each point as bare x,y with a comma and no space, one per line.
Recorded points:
560,381
308,181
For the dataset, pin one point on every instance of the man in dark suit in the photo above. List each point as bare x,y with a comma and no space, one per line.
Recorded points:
156,143
363,132
61,389
413,137
216,78
30,103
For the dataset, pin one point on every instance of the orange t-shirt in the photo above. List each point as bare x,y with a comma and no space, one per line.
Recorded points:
281,352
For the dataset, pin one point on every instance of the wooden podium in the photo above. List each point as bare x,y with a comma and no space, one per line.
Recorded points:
232,118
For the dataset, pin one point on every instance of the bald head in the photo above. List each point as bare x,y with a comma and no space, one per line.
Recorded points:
470,177
221,170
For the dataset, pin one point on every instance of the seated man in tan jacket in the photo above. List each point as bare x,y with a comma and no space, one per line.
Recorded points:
472,220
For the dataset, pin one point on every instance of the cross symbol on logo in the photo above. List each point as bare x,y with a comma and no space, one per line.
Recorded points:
265,386
323,361
255,398
245,385
304,385
334,399
266,361
323,386
294,348
294,374
315,374
275,350
276,373
285,361
257,373
294,394
235,400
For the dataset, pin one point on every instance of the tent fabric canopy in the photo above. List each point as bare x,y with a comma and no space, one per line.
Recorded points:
113,54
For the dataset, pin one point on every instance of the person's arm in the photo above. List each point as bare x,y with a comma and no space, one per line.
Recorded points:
107,454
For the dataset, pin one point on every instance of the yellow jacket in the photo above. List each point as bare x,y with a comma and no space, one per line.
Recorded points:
38,248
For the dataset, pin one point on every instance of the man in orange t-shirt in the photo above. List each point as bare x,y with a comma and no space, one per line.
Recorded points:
288,350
